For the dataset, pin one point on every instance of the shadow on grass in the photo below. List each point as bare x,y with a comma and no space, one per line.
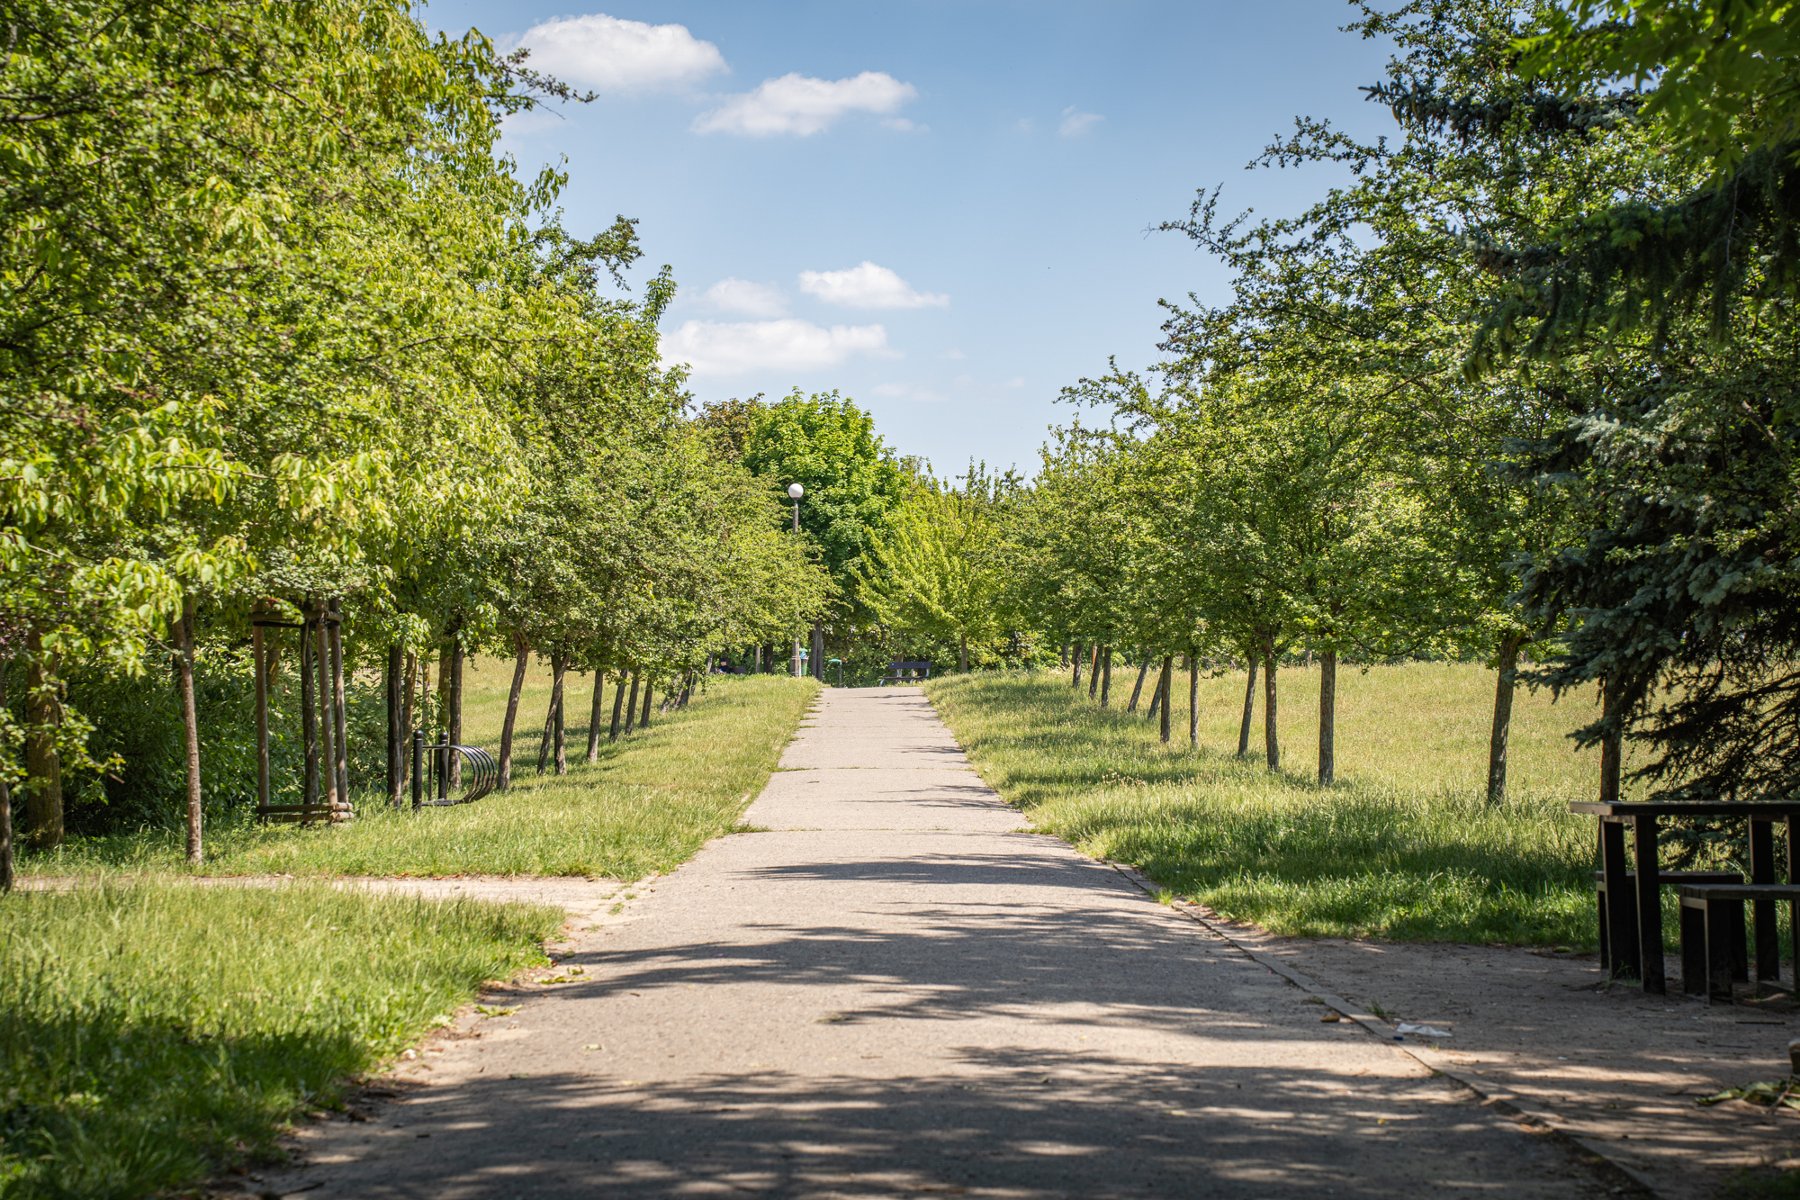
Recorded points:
109,1104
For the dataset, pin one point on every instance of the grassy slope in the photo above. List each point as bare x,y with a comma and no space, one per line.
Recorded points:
153,1031
1402,847
652,800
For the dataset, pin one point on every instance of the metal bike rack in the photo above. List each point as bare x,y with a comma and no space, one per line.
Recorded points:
431,772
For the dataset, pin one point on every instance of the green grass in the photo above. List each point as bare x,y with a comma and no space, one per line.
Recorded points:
647,805
1402,847
155,1032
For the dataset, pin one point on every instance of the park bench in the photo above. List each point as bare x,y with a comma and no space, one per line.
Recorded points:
1712,932
1666,879
907,671
1632,906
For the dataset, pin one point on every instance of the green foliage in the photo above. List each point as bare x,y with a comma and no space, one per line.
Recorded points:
155,1033
937,574
647,805
829,446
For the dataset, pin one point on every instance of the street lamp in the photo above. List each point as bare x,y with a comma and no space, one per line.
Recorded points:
795,491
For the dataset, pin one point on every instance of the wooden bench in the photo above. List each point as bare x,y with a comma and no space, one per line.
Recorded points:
1667,878
1712,933
907,671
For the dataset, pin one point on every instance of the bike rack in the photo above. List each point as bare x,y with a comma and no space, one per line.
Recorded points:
431,775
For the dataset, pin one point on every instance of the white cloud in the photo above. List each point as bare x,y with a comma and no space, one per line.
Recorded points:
1074,123
734,347
802,105
610,54
868,285
745,298
902,391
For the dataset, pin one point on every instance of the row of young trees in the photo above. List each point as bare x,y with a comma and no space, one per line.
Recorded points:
1525,388
281,332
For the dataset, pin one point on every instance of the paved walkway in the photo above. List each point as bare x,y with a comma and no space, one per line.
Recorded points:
890,989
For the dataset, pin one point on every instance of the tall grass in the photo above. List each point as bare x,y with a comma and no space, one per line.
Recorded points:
1402,847
153,1032
647,805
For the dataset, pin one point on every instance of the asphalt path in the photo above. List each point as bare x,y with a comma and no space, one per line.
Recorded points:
887,986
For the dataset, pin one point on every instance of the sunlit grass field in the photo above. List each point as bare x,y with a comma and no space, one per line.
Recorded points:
647,805
154,1031
1402,847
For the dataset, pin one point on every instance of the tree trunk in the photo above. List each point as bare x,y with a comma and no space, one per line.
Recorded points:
1075,679
1157,696
1504,685
1271,746
1063,653
521,664
962,653
6,830
43,763
618,713
454,721
594,714
1327,716
190,728
1093,670
1168,674
1193,700
649,692
1249,711
1105,676
552,717
1611,746
631,704
396,733
559,669
1137,689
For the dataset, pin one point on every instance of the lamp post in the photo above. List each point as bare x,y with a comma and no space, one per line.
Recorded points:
795,491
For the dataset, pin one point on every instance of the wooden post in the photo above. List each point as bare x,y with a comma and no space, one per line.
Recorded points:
327,713
309,717
259,660
190,728
340,717
396,735
6,832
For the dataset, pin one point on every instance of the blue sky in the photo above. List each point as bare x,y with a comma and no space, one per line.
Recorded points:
938,207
